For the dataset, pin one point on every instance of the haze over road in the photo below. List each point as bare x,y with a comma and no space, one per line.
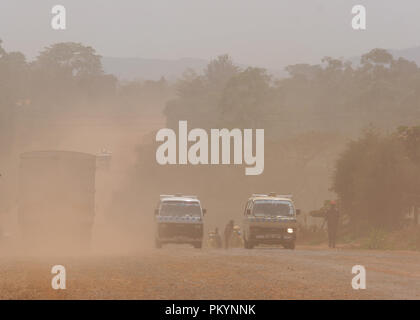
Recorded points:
181,272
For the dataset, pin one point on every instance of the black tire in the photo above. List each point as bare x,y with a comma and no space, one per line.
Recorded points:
290,245
198,245
158,244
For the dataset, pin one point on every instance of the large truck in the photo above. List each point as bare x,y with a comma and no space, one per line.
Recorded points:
56,200
179,219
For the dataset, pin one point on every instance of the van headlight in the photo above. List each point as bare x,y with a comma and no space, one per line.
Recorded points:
289,230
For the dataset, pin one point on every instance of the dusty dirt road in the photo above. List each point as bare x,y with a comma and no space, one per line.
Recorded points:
181,272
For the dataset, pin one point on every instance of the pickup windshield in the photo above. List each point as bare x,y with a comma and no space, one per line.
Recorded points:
180,208
273,208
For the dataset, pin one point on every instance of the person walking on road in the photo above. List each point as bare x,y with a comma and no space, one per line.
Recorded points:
228,233
331,216
217,238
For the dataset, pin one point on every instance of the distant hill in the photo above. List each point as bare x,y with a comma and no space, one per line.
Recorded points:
150,69
154,69
412,54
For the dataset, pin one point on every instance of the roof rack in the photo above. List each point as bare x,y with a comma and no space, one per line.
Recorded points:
273,194
290,196
189,196
179,195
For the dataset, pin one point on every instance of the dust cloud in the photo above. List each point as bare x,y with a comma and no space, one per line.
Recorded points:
308,119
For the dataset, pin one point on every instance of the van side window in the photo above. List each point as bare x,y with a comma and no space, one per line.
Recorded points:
246,208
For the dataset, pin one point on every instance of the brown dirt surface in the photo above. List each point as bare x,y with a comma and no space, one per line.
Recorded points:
181,272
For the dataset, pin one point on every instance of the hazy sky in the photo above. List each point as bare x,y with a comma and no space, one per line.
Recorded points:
269,33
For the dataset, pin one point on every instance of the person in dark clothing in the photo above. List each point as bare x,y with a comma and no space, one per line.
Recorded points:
228,233
331,216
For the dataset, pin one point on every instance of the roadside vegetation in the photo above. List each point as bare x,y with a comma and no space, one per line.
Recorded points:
333,130
404,238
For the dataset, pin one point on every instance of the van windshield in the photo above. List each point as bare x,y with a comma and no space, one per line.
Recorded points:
180,208
273,208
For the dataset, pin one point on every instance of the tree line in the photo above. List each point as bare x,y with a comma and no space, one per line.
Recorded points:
333,95
375,177
64,77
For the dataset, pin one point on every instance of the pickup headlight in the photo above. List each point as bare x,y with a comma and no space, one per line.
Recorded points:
289,230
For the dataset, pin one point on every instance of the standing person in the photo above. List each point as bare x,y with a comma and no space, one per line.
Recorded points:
228,233
331,217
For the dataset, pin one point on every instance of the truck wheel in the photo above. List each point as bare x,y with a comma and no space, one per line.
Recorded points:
198,245
158,245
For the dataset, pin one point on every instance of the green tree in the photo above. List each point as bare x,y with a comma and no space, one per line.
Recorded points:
246,98
198,95
410,137
70,72
372,178
72,58
220,71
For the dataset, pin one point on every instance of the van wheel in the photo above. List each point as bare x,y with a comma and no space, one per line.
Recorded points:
290,245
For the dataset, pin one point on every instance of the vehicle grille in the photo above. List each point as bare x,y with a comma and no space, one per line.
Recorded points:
263,230
190,230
